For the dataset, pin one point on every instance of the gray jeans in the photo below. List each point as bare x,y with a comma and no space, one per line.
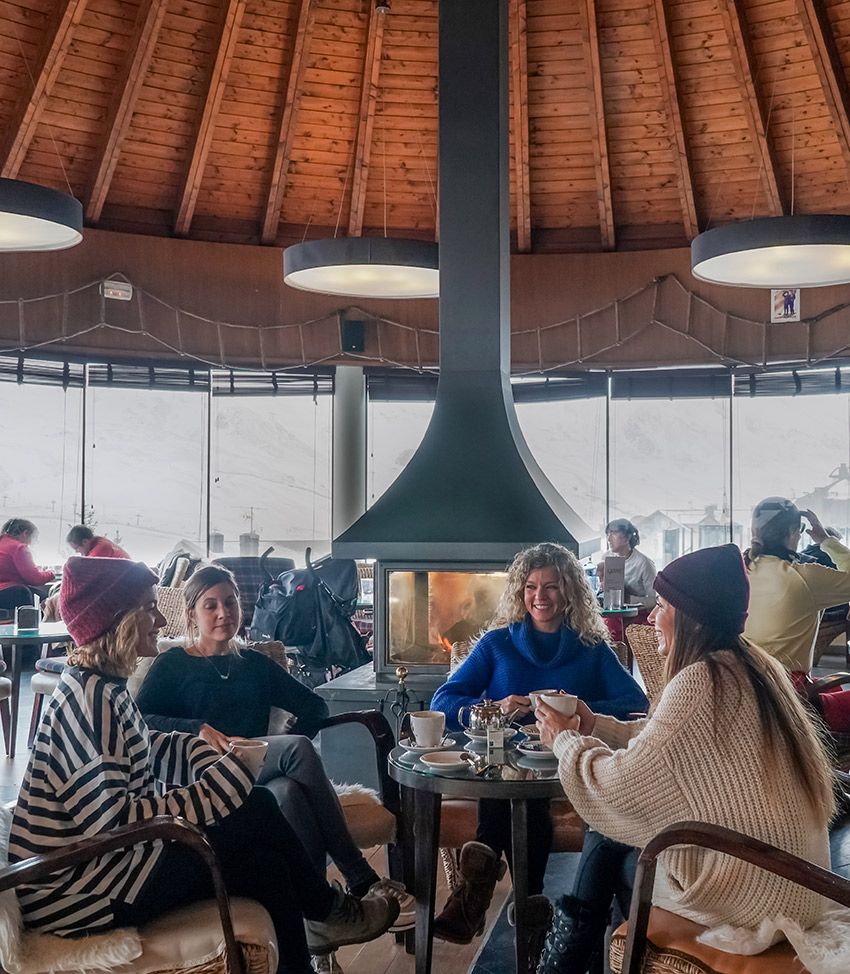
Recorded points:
293,772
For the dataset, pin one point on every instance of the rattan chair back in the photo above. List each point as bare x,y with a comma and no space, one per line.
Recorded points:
643,643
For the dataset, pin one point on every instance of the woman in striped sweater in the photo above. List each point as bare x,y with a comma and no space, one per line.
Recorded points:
95,766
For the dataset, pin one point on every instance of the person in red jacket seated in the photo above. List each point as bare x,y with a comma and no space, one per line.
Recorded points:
19,574
85,542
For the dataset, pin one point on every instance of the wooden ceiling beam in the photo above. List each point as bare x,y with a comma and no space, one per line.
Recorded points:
590,42
188,196
286,128
833,80
148,23
34,97
519,98
366,120
667,76
735,24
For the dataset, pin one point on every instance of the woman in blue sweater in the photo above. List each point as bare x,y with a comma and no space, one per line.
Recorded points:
547,632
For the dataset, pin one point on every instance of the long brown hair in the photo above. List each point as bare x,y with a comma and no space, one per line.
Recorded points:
784,721
582,610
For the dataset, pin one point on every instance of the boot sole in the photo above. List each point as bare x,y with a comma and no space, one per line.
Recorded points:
449,939
320,951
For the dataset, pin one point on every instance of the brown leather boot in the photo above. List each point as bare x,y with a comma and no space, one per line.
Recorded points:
463,915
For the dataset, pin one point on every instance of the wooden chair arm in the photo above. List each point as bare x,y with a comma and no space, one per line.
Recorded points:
379,727
734,844
164,827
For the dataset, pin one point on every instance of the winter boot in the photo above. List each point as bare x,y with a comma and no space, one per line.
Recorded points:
538,911
576,935
463,915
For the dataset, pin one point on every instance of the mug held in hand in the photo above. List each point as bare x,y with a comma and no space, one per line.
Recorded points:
251,753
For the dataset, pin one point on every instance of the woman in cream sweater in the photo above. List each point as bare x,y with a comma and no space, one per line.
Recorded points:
728,742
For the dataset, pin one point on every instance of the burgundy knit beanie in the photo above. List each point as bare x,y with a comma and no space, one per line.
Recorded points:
96,592
711,586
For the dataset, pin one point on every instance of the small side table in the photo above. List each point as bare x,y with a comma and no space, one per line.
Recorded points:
422,794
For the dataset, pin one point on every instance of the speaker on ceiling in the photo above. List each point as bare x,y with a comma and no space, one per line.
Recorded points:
351,335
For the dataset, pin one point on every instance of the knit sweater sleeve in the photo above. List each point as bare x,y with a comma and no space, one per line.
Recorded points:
468,682
625,792
156,698
617,691
288,694
27,568
90,773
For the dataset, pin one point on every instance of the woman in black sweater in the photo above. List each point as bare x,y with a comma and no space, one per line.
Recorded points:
212,689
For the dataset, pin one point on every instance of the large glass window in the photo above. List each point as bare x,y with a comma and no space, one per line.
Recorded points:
670,473
395,430
797,447
146,469
271,475
567,439
40,462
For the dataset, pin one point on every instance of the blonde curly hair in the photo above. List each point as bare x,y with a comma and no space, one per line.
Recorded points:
582,611
115,652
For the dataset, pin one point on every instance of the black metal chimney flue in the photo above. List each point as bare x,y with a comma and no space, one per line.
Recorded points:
472,491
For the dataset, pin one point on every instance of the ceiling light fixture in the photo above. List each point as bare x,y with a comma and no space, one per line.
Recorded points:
364,267
37,218
804,250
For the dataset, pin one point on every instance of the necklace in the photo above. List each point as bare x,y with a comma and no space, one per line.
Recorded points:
218,673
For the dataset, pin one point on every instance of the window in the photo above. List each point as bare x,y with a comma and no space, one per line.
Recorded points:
146,469
670,472
271,474
797,447
40,462
395,430
567,439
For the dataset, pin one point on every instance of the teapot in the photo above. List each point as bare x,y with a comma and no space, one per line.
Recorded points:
482,715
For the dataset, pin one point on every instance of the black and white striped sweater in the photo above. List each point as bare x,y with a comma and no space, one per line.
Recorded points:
95,766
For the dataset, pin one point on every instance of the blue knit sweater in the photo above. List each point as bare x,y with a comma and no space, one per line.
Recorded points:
512,660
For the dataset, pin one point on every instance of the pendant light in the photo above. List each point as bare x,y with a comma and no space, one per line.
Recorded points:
804,250
364,267
37,218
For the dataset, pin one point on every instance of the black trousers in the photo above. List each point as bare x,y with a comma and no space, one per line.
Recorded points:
494,830
15,595
606,872
261,858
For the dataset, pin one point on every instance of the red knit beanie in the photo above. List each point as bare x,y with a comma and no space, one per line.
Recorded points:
711,586
96,592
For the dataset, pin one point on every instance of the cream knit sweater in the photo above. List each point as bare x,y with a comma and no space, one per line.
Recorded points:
631,780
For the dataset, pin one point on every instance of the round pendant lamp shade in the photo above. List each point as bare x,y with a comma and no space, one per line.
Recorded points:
780,251
37,218
364,267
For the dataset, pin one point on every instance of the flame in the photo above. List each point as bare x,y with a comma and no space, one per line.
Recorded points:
447,646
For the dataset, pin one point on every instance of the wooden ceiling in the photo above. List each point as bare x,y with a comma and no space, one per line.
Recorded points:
634,123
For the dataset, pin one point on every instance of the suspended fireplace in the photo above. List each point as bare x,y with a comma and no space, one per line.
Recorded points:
472,495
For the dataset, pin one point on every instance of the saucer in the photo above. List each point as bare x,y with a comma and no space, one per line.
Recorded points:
441,761
412,748
535,751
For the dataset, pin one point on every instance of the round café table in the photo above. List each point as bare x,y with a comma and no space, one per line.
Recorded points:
422,791
15,641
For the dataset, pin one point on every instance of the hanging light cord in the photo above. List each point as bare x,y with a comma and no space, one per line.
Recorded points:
49,127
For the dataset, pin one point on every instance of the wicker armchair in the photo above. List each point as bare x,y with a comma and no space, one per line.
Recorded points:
643,643
657,942
220,936
171,602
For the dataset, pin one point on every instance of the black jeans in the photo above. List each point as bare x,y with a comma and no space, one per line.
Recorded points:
261,858
606,871
494,830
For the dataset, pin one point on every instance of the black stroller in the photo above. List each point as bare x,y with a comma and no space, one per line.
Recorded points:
309,610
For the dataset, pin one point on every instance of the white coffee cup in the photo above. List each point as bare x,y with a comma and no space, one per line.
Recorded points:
564,703
250,753
428,727
536,694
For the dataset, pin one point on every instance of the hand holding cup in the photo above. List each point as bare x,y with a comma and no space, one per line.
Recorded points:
250,752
